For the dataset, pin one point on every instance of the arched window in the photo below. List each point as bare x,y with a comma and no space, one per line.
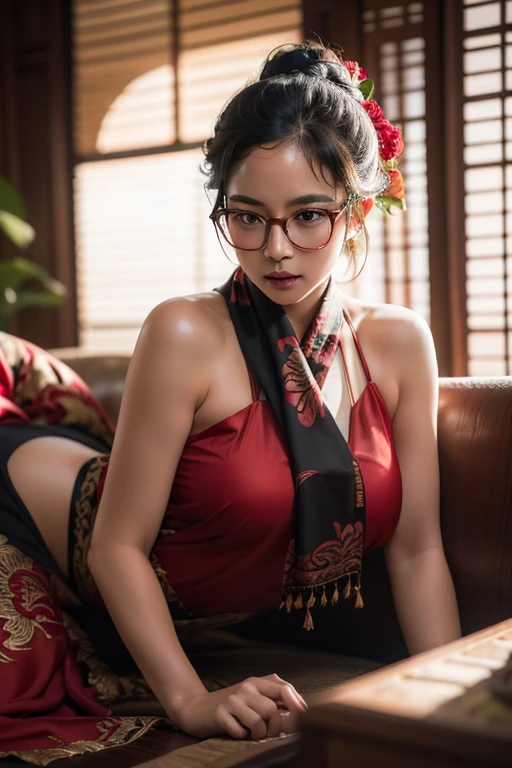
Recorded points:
142,115
141,213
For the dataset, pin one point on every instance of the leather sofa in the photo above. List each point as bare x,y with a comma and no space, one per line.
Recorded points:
475,451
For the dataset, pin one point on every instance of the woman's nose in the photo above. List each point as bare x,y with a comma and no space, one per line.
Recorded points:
278,246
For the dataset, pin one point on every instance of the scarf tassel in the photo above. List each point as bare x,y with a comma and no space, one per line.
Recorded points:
308,621
359,597
300,602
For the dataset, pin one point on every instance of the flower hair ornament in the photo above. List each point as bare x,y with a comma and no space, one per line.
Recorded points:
287,59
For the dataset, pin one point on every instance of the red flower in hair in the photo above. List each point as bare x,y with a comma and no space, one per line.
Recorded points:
390,141
391,144
375,114
356,72
400,143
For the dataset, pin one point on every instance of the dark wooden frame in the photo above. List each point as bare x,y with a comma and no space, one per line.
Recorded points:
442,32
35,150
449,265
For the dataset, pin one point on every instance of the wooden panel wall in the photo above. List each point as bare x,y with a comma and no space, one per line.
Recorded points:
336,21
35,149
344,23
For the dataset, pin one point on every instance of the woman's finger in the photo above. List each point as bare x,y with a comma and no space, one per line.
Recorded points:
278,690
275,723
248,717
264,706
231,725
291,699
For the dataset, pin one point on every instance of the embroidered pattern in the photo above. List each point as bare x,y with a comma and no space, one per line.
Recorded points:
300,387
239,292
37,387
302,476
329,561
112,731
110,688
85,509
25,603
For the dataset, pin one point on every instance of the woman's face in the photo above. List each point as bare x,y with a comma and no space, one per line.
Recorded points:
277,183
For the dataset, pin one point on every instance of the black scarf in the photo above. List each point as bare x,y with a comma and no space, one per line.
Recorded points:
329,504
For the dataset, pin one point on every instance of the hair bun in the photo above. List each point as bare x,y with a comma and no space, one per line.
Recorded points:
309,62
286,62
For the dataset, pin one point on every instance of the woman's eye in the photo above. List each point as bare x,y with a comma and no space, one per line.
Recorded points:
309,216
247,218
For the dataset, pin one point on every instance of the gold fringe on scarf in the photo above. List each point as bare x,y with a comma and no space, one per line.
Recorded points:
299,601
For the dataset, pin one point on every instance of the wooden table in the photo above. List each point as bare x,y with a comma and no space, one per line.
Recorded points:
438,709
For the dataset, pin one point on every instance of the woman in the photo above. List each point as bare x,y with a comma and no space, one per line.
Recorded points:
249,468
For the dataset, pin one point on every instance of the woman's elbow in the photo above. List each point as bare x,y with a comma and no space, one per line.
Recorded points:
107,555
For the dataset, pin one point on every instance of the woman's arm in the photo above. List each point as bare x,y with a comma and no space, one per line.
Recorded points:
164,385
422,586
166,382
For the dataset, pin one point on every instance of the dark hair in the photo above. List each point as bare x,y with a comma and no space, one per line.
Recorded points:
316,108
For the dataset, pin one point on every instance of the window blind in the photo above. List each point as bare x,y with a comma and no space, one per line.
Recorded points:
150,79
487,93
116,45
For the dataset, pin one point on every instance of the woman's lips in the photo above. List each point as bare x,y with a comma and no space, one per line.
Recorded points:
282,283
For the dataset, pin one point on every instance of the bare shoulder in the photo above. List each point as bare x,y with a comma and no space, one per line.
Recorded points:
179,343
191,325
393,337
390,327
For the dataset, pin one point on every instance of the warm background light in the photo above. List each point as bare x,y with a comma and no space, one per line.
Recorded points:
146,94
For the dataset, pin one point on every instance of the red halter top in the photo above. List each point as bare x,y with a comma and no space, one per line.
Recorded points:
231,503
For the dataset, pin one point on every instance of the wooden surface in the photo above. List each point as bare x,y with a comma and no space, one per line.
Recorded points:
437,709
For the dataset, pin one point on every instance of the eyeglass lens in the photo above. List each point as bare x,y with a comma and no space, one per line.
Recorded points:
247,231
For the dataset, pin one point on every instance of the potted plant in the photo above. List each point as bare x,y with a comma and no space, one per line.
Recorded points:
20,277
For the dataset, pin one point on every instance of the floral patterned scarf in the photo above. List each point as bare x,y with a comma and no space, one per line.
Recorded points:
329,504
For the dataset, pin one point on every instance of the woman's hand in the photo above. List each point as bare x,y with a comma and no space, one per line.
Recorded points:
245,710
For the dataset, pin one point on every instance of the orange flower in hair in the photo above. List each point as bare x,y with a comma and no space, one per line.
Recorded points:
396,188
391,143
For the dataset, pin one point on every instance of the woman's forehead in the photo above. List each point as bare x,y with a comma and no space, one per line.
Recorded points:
269,173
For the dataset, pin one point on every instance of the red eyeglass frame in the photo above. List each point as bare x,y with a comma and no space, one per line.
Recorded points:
333,215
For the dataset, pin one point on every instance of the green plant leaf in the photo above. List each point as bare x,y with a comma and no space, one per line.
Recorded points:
17,230
385,203
366,87
15,272
33,299
10,199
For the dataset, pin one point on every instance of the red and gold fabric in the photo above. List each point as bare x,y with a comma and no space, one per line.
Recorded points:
55,695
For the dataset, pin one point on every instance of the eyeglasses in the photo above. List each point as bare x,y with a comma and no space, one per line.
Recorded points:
309,229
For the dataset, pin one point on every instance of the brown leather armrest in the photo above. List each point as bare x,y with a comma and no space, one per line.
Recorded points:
475,451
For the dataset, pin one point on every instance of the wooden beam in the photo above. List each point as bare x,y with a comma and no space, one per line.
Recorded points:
441,320
336,21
